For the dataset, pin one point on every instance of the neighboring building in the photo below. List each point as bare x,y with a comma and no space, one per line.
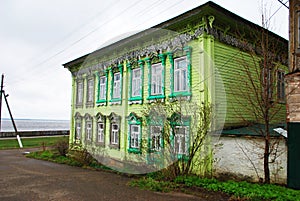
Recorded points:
293,95
193,57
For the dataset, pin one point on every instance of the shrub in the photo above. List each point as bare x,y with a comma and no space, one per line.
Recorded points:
62,147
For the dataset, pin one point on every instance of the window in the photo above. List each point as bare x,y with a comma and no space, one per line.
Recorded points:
102,95
180,134
88,127
100,137
134,133
135,136
114,140
155,138
156,79
79,95
90,93
180,71
100,128
117,86
115,121
78,128
180,143
136,82
280,85
89,130
180,75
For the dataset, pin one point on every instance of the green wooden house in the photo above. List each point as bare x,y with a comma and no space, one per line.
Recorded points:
194,57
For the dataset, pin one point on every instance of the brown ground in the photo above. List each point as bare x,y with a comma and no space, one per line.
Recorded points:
23,178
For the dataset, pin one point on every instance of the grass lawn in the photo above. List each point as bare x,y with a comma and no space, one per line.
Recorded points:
30,142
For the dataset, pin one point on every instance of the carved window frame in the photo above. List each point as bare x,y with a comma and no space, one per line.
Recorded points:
187,93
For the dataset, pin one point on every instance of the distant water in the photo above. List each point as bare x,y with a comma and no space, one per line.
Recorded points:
35,125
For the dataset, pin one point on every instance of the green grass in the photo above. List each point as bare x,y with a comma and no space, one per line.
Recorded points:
238,190
30,142
250,191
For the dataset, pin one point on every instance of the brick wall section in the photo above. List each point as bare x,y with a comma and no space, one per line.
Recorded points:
293,97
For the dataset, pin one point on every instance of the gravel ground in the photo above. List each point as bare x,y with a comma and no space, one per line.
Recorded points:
29,179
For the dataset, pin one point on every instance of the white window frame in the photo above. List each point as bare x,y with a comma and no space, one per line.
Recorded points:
155,138
182,74
136,82
156,79
114,136
117,86
180,139
90,91
135,136
100,132
79,95
78,127
102,86
89,129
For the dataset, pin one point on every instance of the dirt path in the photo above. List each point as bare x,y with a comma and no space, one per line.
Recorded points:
23,178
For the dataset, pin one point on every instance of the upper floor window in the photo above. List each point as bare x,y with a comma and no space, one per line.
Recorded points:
79,93
180,75
102,88
180,79
90,92
117,86
280,85
136,82
157,79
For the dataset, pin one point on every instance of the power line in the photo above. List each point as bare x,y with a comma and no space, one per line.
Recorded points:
284,4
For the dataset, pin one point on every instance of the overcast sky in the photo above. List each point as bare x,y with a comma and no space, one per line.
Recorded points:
38,36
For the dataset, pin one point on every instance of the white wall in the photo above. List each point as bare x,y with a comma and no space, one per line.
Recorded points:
242,158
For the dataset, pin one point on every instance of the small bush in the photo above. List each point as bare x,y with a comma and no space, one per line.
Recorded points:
153,185
82,156
62,147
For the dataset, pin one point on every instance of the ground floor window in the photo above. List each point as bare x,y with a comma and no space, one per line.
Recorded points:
180,140
100,131
114,137
155,138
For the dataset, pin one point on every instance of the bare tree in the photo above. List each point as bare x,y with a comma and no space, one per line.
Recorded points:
261,93
186,126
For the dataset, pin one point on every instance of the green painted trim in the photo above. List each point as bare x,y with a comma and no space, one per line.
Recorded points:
174,94
133,119
130,70
162,58
120,68
106,85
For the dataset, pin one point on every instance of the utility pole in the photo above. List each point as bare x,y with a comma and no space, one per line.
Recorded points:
10,114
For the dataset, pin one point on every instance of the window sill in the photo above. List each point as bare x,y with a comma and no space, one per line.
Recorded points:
153,98
184,94
114,146
135,100
134,150
117,101
101,102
